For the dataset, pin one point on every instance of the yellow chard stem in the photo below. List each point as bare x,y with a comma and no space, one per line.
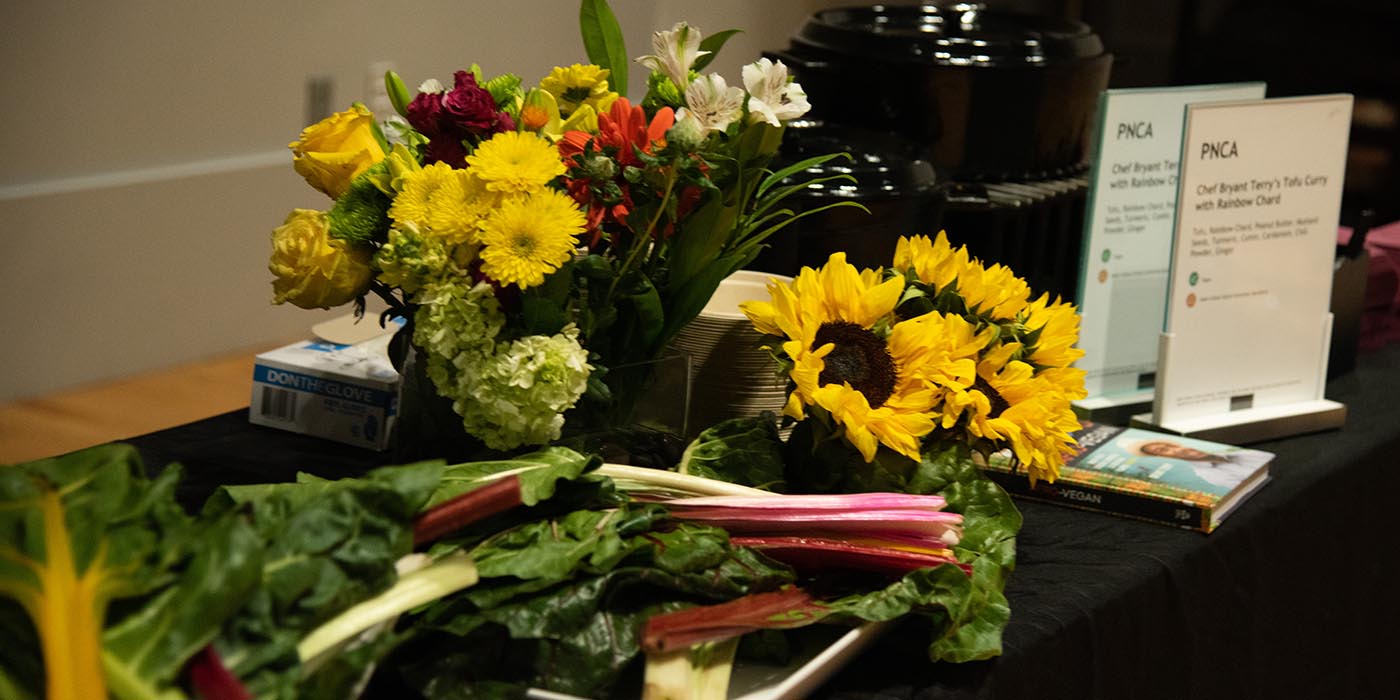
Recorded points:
68,613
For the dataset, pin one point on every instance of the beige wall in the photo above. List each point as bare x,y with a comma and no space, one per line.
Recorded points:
145,163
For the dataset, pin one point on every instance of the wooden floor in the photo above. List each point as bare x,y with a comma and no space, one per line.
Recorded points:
64,421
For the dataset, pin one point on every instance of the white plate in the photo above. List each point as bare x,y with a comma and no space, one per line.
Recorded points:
826,648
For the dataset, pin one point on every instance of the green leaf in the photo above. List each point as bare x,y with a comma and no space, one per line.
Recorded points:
78,532
991,518
538,472
745,451
701,238
752,240
544,308
757,145
781,174
939,593
690,298
603,42
648,317
712,43
975,634
154,643
328,545
566,600
505,90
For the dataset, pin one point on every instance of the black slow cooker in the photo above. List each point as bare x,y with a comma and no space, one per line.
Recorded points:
1001,105
992,95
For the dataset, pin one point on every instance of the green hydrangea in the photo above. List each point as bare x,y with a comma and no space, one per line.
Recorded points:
411,261
524,390
508,394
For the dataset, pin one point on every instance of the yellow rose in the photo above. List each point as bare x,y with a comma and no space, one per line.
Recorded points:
335,150
314,270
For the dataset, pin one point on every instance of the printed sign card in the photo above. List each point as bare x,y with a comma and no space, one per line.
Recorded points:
1247,325
1128,237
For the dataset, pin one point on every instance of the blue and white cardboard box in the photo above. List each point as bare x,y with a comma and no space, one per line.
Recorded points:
343,392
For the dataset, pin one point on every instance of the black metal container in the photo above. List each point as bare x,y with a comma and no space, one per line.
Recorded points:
992,95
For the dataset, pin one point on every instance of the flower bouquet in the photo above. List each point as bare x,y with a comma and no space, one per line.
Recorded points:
937,355
544,242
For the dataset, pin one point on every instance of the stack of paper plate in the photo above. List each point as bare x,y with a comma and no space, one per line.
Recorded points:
730,375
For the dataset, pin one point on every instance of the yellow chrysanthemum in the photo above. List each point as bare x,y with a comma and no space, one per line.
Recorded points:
876,389
459,207
1058,324
527,238
579,85
413,204
516,162
1028,413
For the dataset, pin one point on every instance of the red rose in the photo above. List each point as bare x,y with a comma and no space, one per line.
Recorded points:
425,113
470,108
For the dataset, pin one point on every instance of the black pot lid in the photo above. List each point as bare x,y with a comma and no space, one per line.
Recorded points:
963,34
881,164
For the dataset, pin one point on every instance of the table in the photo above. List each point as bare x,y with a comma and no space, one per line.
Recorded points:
1295,595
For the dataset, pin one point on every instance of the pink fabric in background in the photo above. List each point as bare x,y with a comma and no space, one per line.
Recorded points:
1380,322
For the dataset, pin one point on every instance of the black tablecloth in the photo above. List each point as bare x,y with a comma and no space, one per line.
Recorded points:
1293,596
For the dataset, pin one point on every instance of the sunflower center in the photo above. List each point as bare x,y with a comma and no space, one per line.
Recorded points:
860,359
999,402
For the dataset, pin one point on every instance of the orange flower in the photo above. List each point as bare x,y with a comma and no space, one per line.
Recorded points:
622,130
619,130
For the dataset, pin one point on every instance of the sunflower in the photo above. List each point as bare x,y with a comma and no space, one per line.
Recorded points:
515,162
1030,414
870,378
994,293
529,237
1057,327
943,349
934,263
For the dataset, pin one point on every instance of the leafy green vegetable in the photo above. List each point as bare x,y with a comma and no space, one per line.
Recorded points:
698,672
744,451
539,472
966,614
86,539
327,546
562,601
439,578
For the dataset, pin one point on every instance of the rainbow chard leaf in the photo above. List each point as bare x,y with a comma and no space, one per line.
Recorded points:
327,546
87,543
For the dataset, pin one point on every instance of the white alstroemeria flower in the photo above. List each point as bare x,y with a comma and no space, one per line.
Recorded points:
771,97
712,103
676,51
432,86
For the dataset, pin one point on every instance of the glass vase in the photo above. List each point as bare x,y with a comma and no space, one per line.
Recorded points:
641,419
